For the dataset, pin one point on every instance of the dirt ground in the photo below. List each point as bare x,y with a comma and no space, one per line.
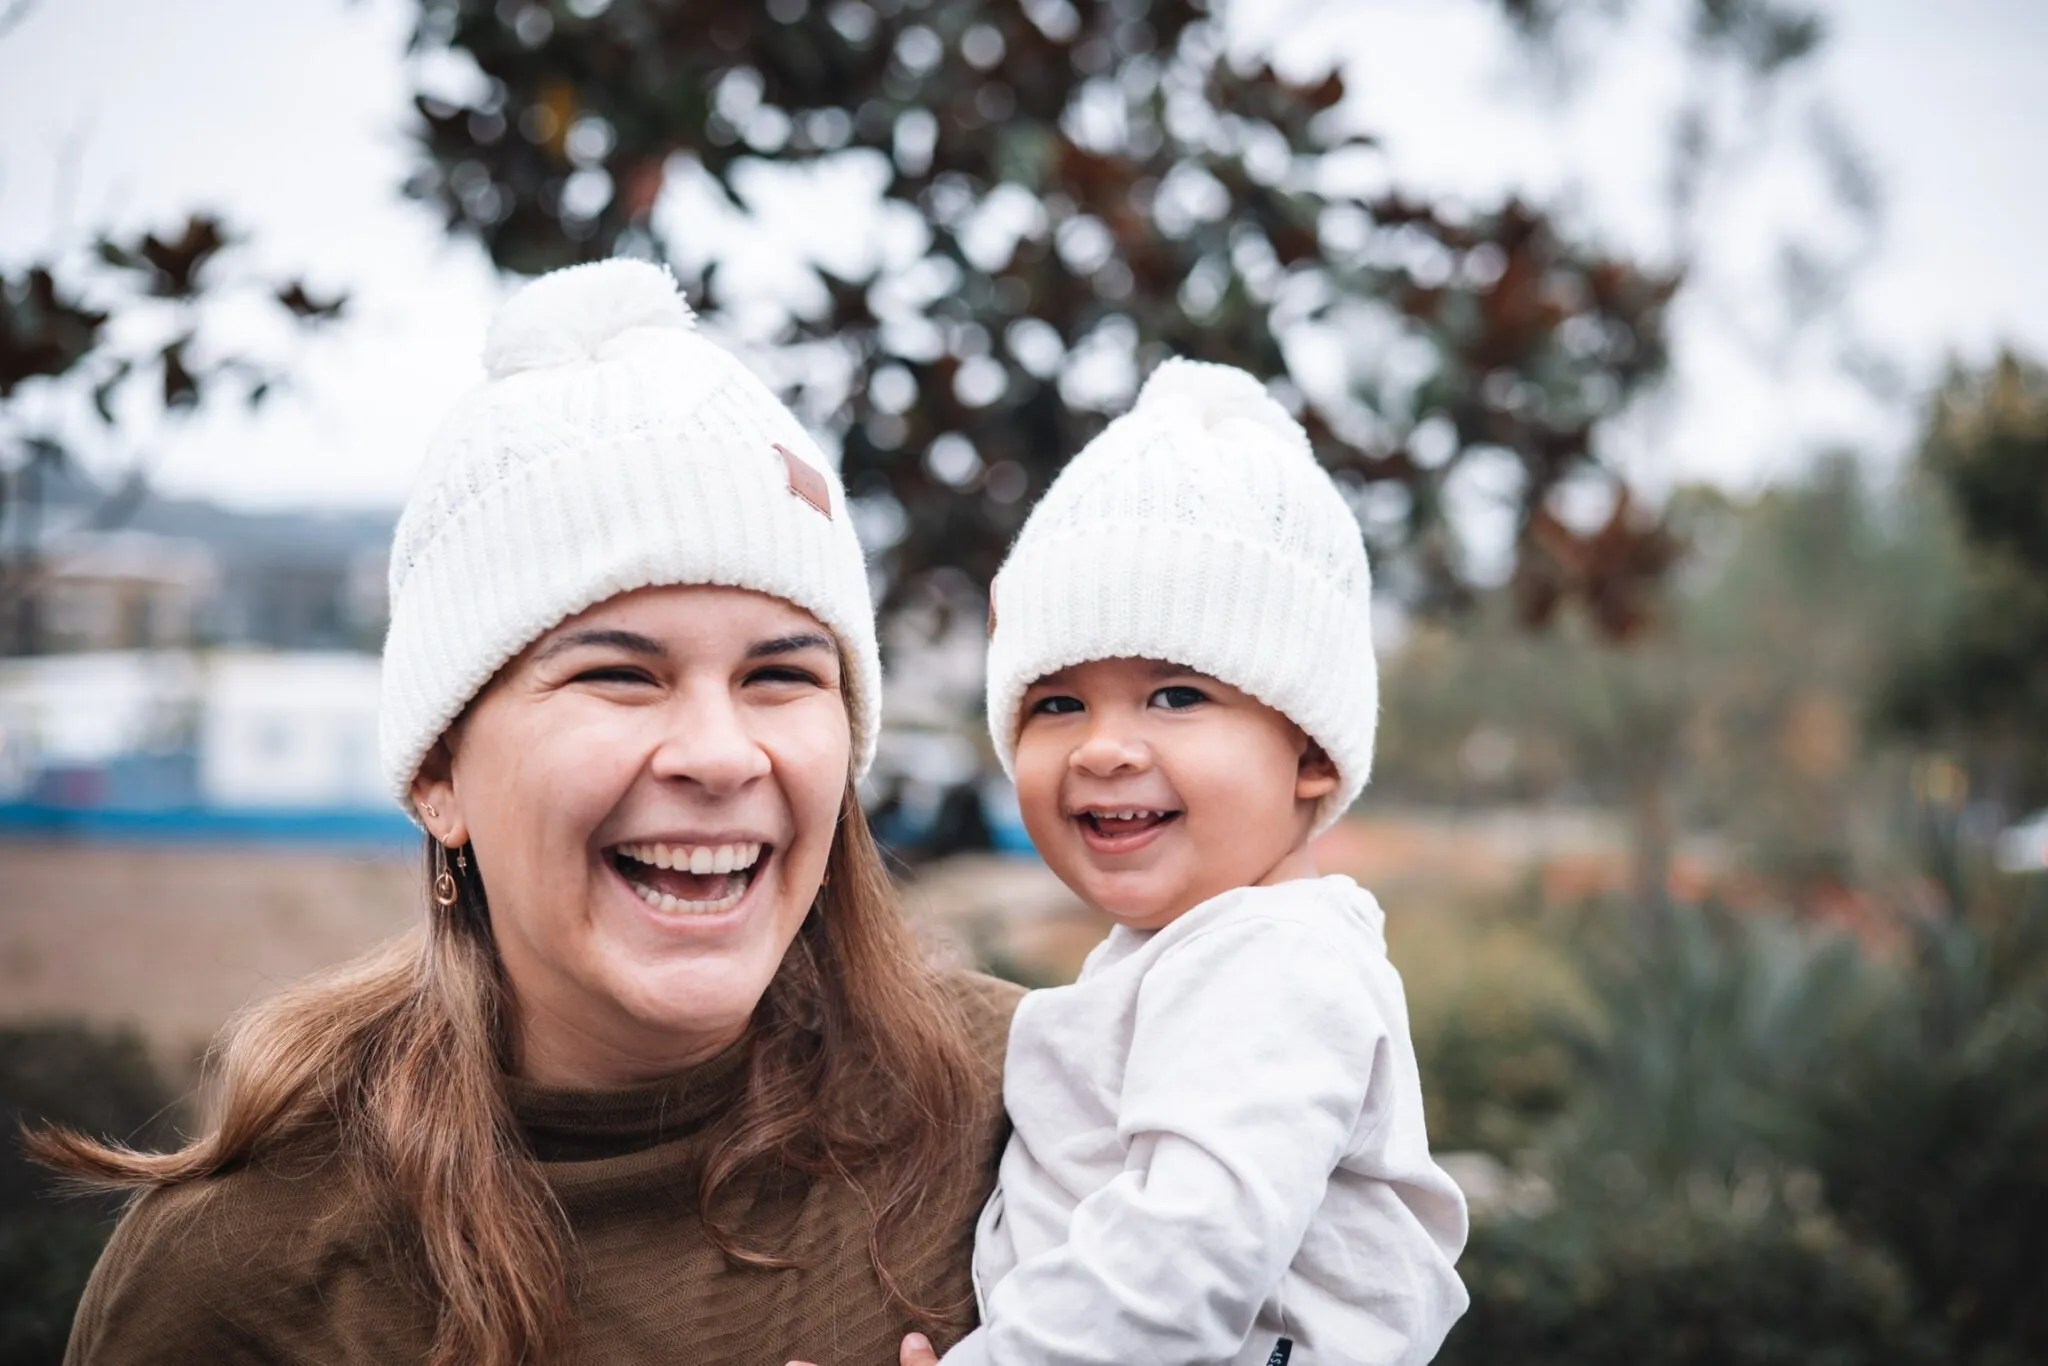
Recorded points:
173,940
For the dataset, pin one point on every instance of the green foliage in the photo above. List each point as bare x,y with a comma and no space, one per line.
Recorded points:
49,1240
1779,1143
1495,1077
1932,1138
1704,1023
1667,1285
1982,684
1491,1007
1159,196
1743,715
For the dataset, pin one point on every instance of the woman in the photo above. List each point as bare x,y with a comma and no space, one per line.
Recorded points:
662,1077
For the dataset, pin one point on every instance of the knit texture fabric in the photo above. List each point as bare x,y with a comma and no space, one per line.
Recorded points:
289,1260
1198,528
611,448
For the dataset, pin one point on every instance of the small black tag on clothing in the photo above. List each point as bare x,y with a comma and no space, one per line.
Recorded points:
1282,1350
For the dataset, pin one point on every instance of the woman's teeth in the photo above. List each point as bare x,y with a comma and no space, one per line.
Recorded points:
662,901
698,858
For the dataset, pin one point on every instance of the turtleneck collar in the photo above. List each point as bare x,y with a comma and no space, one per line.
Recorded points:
567,1124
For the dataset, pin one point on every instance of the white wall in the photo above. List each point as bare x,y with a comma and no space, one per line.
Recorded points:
295,729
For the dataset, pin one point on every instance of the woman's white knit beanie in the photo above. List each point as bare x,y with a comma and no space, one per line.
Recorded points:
1198,528
611,447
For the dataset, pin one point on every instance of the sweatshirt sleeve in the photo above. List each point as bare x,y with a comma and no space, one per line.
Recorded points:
204,1276
1253,1050
152,1294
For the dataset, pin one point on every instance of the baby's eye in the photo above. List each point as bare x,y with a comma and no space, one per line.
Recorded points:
1179,697
1058,705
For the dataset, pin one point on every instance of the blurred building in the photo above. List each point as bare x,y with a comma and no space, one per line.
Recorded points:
183,572
197,671
289,730
126,590
172,729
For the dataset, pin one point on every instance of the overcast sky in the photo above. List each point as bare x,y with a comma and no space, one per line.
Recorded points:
289,118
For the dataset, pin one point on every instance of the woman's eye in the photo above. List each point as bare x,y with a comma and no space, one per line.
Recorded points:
1055,706
1176,698
614,673
783,673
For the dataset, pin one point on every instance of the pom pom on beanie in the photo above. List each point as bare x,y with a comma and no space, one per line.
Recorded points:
612,447
1198,528
1202,395
581,313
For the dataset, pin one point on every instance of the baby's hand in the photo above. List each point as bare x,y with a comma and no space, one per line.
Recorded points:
917,1351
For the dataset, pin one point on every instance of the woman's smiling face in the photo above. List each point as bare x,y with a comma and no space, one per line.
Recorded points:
650,792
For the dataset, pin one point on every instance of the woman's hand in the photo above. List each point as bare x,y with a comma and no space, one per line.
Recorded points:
916,1351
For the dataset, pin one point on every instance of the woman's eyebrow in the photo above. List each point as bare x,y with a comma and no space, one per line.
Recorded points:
632,642
787,645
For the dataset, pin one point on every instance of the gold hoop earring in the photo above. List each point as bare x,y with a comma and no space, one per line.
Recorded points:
446,893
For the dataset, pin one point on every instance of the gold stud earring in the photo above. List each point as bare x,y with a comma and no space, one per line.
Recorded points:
446,893
431,813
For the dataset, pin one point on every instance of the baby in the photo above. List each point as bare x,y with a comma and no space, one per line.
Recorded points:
1219,1152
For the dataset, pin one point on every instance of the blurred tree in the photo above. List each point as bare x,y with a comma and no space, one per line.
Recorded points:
1745,715
1981,685
1090,185
93,339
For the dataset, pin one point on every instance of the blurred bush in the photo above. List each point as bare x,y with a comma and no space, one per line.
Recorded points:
1932,1138
98,1082
1770,1141
1670,1285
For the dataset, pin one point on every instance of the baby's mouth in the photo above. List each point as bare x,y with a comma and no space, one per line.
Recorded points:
1128,821
687,879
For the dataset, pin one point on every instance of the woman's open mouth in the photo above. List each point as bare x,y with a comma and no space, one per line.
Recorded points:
689,879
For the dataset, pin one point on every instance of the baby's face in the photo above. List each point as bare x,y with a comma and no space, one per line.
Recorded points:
1150,788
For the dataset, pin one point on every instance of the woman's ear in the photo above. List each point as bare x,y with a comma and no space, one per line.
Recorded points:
1316,778
433,796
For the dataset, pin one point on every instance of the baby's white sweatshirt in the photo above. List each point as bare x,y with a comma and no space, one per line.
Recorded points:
1219,1144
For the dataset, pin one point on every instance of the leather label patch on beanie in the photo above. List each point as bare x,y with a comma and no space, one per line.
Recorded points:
805,482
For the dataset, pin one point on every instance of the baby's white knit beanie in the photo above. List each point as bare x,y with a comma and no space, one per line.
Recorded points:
1198,528
611,447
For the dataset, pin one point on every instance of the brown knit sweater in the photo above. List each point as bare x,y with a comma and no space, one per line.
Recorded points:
286,1262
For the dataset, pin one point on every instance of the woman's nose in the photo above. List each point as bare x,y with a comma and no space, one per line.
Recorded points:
705,741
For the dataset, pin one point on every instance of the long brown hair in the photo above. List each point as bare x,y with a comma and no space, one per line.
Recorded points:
859,1070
